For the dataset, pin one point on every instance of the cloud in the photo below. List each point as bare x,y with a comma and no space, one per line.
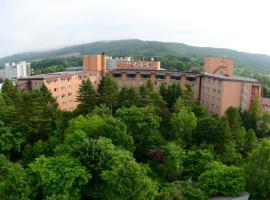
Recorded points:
28,25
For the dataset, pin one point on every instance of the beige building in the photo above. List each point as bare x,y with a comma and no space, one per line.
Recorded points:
136,78
217,88
220,89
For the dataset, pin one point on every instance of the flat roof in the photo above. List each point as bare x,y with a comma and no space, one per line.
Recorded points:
158,72
51,75
231,78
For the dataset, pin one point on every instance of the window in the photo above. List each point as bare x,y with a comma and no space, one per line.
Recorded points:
160,76
116,75
145,75
55,89
131,75
176,77
63,95
190,78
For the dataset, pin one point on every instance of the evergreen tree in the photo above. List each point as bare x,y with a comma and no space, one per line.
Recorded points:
174,91
86,97
108,91
10,92
128,97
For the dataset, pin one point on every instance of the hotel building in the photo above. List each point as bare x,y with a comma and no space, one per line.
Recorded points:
216,88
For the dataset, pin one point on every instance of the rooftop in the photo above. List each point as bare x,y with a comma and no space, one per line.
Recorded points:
50,75
231,78
149,71
265,101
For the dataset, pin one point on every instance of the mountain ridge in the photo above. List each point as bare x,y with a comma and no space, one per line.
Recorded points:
140,48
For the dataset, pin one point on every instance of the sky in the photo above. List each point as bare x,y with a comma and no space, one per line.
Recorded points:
35,25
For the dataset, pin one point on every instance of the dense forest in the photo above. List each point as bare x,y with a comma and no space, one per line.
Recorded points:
127,143
144,49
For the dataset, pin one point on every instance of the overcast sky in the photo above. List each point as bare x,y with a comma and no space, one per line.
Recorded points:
28,25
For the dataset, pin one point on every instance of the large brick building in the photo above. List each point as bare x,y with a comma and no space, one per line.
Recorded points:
216,88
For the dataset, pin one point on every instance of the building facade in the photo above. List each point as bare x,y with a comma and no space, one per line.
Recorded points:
129,63
220,89
137,77
14,71
216,88
64,86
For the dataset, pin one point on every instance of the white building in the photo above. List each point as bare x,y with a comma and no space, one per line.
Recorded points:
111,62
14,71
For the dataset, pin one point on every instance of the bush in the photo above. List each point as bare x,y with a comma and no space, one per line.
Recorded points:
220,179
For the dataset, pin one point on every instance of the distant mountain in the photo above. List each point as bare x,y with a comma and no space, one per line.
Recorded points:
146,49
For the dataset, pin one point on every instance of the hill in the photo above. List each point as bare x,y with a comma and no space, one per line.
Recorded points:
171,54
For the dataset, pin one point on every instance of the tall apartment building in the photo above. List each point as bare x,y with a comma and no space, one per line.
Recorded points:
216,88
14,71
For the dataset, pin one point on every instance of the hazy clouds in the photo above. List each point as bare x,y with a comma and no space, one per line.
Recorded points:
27,25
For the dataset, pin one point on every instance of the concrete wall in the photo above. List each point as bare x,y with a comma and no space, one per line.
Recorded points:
217,65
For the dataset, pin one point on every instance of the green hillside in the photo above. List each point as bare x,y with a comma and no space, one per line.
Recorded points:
172,55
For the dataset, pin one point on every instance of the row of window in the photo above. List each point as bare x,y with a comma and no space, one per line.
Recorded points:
64,88
64,96
157,76
210,81
66,80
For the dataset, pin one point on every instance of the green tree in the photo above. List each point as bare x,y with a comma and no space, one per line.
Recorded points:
172,93
107,126
183,124
199,110
35,115
156,101
187,95
46,96
101,110
211,130
233,117
14,181
171,166
86,97
196,161
108,91
180,190
127,180
10,140
128,97
163,90
170,191
258,171
220,179
59,175
142,124
95,154
10,92
250,142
